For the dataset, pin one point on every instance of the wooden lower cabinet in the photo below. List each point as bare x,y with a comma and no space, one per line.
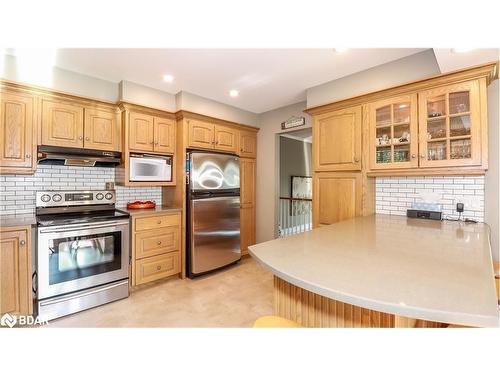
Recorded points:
156,247
15,271
336,196
247,228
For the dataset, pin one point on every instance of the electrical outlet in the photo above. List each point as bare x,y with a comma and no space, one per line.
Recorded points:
470,203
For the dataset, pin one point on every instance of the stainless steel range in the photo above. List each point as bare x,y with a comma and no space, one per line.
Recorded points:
82,251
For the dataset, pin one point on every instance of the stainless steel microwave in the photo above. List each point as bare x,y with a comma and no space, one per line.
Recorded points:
147,167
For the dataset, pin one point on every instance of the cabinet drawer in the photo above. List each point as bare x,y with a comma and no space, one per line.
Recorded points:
157,241
157,267
157,221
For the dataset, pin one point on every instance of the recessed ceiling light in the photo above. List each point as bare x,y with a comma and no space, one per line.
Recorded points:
168,78
461,50
340,50
234,93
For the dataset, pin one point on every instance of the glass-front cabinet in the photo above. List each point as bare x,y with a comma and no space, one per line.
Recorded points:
449,124
394,133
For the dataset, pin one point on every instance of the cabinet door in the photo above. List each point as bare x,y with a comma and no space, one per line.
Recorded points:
226,138
450,125
141,132
247,228
247,182
62,124
15,272
393,133
102,130
336,197
337,140
16,135
201,134
164,135
248,144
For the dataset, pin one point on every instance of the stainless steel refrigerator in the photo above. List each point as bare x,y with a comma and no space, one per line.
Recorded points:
213,221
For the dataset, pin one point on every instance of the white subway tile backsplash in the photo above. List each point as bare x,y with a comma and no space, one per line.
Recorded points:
17,192
394,195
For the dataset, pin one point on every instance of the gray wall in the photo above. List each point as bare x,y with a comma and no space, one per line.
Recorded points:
492,180
410,68
295,160
268,165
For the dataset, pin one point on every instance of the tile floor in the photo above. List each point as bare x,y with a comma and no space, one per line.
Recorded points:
234,297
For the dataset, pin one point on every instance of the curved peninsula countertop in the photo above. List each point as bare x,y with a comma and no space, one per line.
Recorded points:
437,271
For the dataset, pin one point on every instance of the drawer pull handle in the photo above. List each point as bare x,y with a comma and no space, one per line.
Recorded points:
22,242
158,243
158,268
158,222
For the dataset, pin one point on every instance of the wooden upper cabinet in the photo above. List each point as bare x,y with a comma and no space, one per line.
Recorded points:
393,133
336,197
62,124
337,140
141,132
164,136
247,182
248,144
226,138
17,132
452,124
102,130
15,271
200,134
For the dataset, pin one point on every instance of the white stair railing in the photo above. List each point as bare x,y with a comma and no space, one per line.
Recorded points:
295,216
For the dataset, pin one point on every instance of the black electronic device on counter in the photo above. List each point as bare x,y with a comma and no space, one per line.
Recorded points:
422,214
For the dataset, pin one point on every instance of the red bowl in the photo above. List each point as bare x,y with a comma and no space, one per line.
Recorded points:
140,204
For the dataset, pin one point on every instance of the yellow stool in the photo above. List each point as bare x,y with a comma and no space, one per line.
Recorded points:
271,321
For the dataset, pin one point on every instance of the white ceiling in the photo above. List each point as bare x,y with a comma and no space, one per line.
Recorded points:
265,78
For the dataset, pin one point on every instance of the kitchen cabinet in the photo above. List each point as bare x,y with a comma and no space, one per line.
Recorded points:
156,246
206,135
337,140
248,144
102,130
18,135
337,196
393,132
141,132
247,203
149,133
15,270
62,124
451,126
200,134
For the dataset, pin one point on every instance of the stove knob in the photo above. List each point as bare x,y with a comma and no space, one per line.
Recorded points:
45,198
99,196
109,196
56,197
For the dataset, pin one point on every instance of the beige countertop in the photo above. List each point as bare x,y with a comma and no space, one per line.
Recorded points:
17,220
422,269
150,211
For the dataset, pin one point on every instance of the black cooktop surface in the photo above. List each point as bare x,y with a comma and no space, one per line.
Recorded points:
66,218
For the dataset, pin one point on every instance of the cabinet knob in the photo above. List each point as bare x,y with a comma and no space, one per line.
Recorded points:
80,138
413,156
158,222
422,156
28,156
87,138
156,143
152,143
22,242
356,160
158,268
158,243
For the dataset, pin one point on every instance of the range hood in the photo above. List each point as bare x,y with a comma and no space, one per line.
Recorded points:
78,157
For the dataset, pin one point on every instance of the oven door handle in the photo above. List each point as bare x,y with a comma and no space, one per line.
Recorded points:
83,227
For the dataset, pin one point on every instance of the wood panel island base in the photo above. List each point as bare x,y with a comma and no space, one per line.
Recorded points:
315,311
384,271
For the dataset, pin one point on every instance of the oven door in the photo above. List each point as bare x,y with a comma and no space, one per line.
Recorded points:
80,256
151,169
